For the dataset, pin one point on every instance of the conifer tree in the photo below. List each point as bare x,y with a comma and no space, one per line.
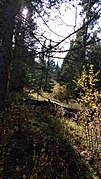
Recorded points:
10,9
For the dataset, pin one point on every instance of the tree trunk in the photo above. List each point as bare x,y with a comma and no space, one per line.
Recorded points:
6,48
46,75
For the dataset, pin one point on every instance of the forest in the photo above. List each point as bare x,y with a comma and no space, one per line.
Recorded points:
50,89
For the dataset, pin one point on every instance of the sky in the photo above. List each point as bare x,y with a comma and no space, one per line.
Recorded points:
59,24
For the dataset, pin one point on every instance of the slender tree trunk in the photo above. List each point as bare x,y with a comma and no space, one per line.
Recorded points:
47,74
6,48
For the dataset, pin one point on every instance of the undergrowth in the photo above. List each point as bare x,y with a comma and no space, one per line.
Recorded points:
90,114
36,145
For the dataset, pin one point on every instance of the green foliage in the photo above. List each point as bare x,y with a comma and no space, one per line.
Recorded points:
78,55
73,61
89,10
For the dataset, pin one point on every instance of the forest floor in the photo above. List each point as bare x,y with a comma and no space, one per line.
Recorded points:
37,142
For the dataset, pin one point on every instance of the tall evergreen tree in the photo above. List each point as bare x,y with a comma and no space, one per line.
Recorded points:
80,51
23,49
47,68
10,10
73,61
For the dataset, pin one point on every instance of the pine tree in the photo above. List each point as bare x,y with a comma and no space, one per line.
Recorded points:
10,9
73,62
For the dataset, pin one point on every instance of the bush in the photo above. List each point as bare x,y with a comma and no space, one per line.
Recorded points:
90,114
61,93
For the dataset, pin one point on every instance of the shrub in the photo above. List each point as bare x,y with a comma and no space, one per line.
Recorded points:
61,93
90,114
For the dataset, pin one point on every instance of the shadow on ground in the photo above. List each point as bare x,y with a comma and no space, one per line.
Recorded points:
33,147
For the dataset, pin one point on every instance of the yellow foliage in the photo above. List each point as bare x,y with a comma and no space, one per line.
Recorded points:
89,96
90,114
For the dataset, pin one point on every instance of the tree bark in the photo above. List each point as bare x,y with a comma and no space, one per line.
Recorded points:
6,48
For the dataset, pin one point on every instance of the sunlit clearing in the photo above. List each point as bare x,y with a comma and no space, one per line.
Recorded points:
24,12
